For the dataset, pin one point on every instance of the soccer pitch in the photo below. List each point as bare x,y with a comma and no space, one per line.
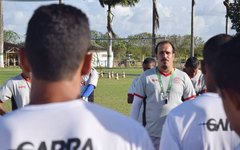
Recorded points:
110,93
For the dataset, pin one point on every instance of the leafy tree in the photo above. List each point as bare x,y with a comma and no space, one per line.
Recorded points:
234,14
10,36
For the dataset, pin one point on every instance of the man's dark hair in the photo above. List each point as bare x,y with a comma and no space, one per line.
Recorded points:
226,70
162,43
192,62
212,48
58,36
149,60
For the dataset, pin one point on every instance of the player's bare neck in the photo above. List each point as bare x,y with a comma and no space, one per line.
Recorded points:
45,92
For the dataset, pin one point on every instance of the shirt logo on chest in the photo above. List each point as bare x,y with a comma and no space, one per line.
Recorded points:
22,86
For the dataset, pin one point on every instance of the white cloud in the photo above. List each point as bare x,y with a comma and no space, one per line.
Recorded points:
174,16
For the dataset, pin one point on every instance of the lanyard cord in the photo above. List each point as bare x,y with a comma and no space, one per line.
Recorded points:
169,82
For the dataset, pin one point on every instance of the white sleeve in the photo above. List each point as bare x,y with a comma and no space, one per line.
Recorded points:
136,106
131,89
6,91
93,79
169,137
189,91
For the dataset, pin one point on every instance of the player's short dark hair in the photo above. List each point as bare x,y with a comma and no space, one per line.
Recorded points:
162,43
212,47
192,62
149,60
226,70
57,38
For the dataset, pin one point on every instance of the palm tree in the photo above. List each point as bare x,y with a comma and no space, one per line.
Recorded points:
155,26
1,35
192,29
111,34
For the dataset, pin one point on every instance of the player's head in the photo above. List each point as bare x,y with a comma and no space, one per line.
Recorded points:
56,42
191,66
227,75
165,53
210,51
148,63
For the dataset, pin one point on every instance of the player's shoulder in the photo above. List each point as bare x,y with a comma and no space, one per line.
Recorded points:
149,72
179,72
200,104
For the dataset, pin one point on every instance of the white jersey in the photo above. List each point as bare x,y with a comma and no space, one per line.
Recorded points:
156,109
91,78
200,124
71,125
199,83
18,90
132,87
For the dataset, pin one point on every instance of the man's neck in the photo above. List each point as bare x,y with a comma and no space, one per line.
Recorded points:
165,70
43,92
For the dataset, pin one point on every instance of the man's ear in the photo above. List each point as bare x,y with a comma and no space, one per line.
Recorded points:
203,67
87,64
24,64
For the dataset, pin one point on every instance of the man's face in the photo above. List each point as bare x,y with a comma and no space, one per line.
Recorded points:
192,72
165,56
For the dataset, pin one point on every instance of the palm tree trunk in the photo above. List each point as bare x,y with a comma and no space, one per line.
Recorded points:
153,30
110,36
192,30
155,25
60,1
1,35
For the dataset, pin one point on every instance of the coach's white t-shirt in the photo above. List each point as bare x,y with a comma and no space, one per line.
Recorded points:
69,126
18,90
148,87
132,87
200,124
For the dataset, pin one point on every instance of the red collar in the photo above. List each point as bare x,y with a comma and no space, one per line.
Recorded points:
166,74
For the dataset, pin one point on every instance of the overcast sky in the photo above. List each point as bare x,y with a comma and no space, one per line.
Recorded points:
175,16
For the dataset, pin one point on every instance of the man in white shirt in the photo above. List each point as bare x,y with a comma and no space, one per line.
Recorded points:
201,124
227,75
148,63
88,84
17,89
163,88
191,67
57,40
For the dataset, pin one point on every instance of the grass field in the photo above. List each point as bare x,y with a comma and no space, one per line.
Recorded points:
110,93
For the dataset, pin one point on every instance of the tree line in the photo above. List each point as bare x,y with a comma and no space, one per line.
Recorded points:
140,45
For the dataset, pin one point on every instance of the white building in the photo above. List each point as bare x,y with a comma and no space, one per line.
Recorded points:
99,58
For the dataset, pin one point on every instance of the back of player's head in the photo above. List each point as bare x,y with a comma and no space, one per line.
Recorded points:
226,70
192,62
162,43
57,38
212,48
148,63
149,60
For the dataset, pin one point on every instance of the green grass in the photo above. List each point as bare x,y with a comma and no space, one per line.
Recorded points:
110,93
